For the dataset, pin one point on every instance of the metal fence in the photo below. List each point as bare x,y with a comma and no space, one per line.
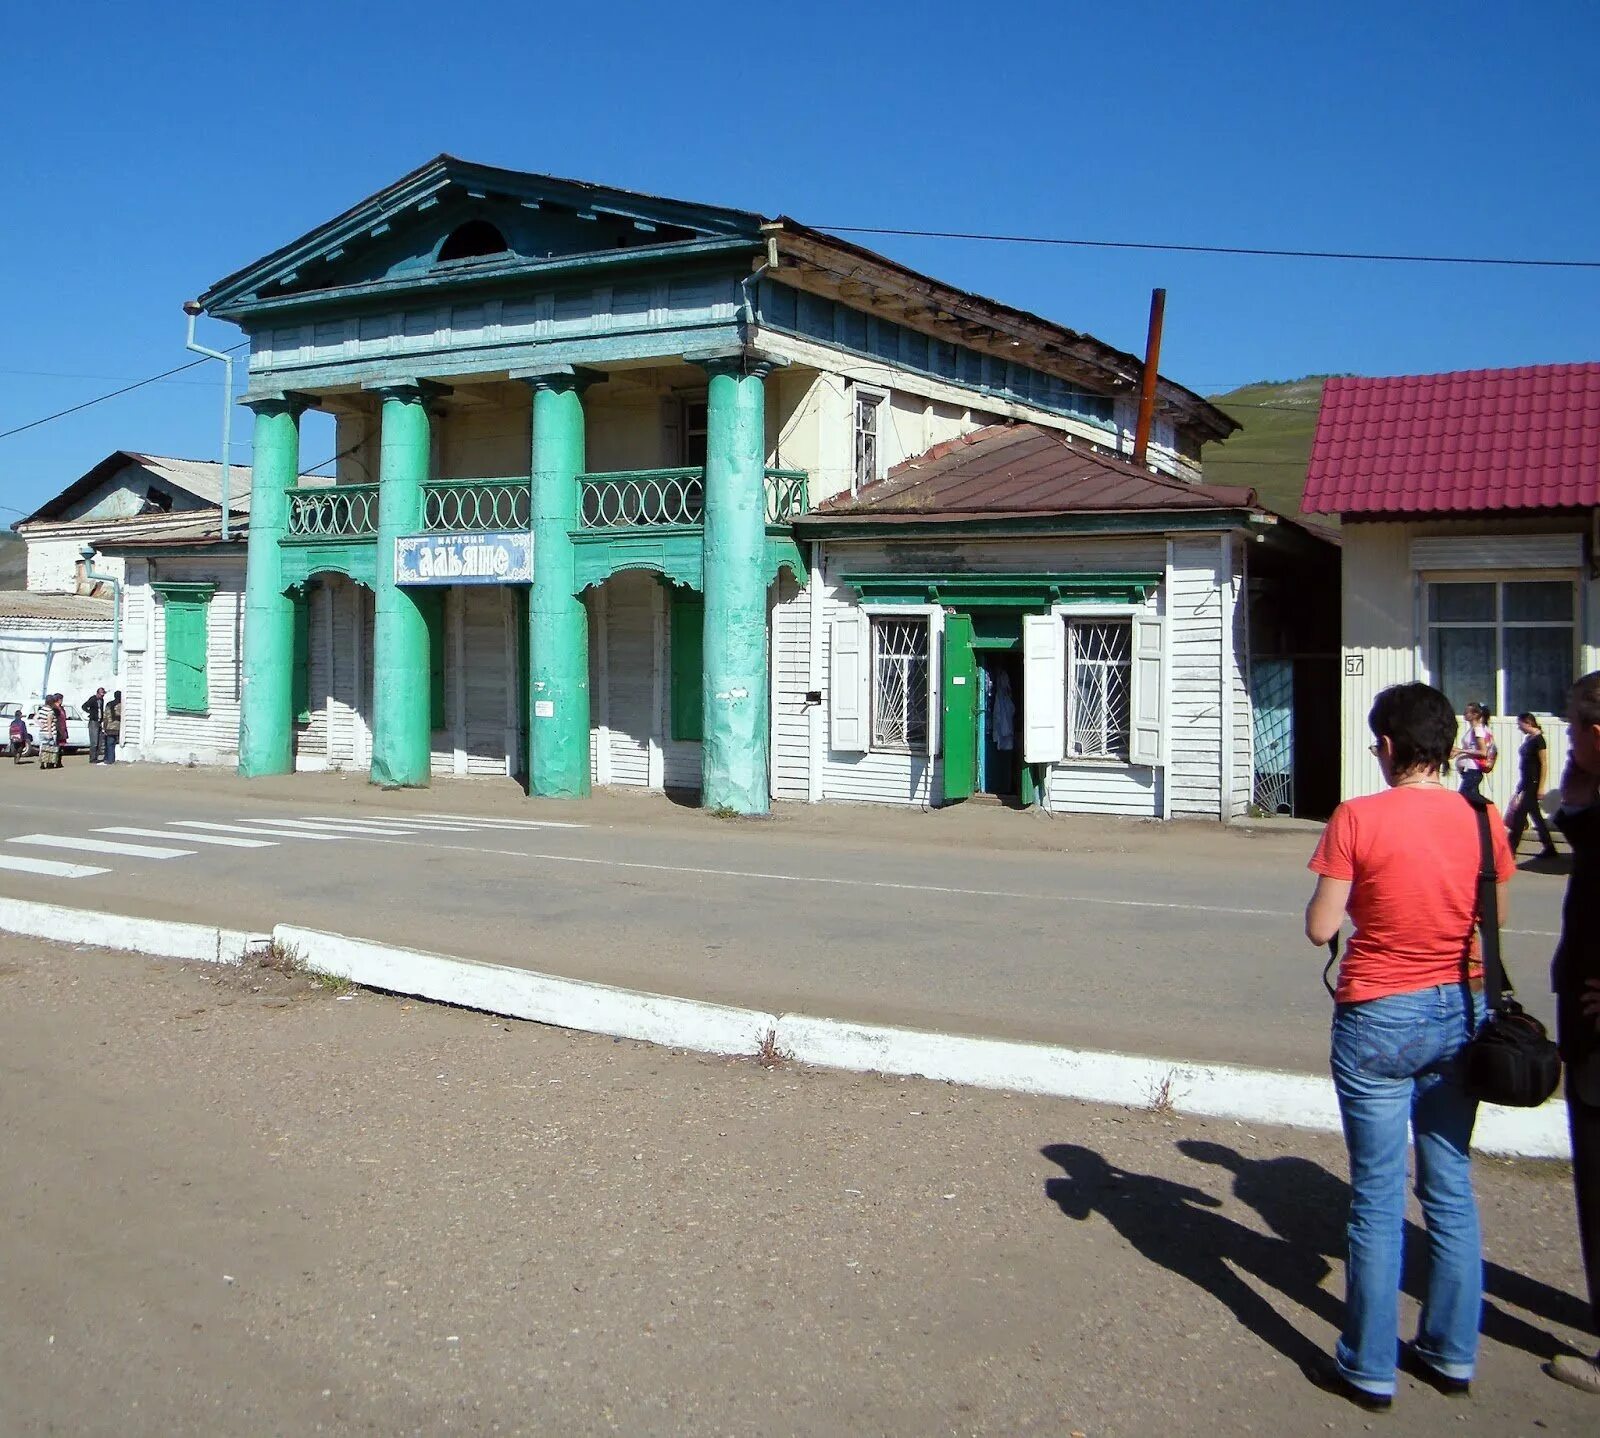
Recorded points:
453,505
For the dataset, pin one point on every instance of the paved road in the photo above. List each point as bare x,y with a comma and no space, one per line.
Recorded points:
1181,941
238,1206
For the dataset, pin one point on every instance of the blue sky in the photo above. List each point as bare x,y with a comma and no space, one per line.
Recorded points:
153,148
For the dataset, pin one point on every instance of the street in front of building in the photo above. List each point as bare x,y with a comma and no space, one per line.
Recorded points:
979,922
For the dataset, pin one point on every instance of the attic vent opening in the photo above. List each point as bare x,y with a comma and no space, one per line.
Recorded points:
476,237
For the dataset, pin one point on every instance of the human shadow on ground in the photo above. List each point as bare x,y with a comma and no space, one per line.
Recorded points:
1179,1228
1306,1206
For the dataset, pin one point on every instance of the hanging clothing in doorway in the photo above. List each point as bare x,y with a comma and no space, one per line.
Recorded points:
1003,713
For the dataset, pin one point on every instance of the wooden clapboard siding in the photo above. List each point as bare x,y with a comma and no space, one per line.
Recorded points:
1244,746
632,720
342,697
482,665
1105,789
311,740
1194,686
212,737
791,671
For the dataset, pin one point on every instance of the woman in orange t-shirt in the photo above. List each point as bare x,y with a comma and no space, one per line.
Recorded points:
1404,864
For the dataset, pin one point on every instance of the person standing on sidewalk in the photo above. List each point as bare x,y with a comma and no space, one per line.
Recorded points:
1533,768
94,708
1477,755
1576,979
1404,864
111,726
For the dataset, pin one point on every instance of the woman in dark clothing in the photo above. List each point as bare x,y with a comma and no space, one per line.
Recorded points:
1533,764
1576,980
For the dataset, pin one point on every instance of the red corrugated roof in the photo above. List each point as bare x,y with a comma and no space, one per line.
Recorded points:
1483,439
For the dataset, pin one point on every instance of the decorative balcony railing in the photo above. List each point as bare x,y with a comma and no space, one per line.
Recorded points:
334,511
638,498
643,498
453,505
786,495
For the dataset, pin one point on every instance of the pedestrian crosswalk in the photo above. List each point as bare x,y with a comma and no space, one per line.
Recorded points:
185,838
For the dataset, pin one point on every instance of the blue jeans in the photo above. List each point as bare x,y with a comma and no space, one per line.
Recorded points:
1394,1068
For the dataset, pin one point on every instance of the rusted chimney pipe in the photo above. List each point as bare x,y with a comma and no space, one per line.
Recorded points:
1147,381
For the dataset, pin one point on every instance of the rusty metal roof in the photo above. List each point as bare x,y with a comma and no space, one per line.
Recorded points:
1023,471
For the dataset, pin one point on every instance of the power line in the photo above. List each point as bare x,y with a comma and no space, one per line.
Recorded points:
126,389
1250,250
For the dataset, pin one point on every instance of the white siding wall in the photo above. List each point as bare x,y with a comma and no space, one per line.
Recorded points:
1194,678
211,738
1193,659
791,678
1244,748
1381,639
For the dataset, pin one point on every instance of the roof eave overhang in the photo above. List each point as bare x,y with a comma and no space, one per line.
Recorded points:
1162,521
1477,512
1086,358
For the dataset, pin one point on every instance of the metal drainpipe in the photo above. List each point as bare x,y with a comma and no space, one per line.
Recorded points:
193,310
116,605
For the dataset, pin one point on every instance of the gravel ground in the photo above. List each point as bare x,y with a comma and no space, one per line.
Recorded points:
240,1203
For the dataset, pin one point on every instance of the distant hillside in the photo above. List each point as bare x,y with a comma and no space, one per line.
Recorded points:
1271,452
13,561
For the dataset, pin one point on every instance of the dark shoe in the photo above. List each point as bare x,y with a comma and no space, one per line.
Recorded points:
1418,1367
1326,1374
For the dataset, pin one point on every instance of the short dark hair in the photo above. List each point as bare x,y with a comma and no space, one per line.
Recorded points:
1419,723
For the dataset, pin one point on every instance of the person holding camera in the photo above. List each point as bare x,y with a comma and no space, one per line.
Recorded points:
1404,864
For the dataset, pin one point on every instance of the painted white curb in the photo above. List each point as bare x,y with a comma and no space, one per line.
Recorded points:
165,938
1249,1095
524,994
1208,1090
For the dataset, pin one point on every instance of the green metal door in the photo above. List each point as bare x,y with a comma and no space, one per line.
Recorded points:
958,686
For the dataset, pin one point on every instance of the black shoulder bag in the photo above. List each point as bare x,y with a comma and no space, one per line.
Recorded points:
1511,1060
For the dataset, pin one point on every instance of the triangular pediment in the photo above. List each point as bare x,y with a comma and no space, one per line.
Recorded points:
452,217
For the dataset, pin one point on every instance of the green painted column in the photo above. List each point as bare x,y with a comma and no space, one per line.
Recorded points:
558,624
266,699
735,682
400,679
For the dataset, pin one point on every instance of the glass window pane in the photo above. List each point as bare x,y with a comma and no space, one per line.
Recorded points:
1538,669
1461,603
1463,666
1538,599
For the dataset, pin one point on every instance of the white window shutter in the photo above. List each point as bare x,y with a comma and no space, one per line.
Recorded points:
848,700
1147,728
1044,689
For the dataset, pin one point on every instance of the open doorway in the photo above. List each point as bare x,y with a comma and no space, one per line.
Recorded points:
999,713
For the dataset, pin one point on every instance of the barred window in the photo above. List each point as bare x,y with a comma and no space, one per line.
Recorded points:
1099,679
899,684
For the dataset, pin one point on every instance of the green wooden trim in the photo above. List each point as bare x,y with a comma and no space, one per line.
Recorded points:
1031,592
824,526
431,603
184,591
688,617
357,560
184,611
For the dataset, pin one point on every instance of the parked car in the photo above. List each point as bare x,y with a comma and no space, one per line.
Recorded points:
36,714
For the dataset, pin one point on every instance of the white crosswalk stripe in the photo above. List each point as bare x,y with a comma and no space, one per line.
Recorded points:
261,829
487,822
350,828
219,839
430,826
52,868
100,846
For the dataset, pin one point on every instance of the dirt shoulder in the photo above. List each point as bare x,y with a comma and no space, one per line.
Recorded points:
241,1203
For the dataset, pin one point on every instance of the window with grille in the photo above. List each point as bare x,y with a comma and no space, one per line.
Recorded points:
866,431
899,684
1507,644
1099,680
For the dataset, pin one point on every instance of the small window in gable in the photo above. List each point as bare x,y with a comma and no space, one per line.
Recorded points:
475,237
158,499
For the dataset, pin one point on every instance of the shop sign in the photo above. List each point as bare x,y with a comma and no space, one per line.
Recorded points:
489,558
